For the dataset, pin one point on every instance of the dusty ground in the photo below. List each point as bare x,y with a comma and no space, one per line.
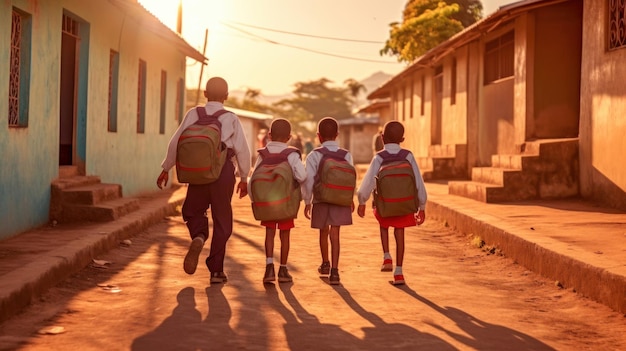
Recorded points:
457,297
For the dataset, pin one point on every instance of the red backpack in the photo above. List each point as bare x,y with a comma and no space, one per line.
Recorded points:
201,154
395,193
274,192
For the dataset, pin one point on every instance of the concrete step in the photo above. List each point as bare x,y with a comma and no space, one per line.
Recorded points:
515,161
490,193
75,181
102,212
68,171
92,194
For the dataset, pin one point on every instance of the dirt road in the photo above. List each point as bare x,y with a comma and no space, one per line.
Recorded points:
457,297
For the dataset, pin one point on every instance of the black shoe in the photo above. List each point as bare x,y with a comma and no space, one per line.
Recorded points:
283,275
218,277
333,279
191,259
269,276
324,268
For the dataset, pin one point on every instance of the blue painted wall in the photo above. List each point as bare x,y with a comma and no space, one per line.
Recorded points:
30,155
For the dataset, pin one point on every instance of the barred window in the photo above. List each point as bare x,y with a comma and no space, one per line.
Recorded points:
114,66
19,72
499,58
617,24
141,97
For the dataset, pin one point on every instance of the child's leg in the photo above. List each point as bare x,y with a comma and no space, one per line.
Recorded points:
398,233
334,242
384,238
269,242
324,243
284,246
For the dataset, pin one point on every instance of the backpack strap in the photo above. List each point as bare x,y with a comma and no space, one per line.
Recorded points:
204,118
340,154
272,158
389,157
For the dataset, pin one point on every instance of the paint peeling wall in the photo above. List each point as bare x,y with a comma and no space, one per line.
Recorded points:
30,155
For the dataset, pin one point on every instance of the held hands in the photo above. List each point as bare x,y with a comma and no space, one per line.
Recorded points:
307,211
242,189
420,217
162,179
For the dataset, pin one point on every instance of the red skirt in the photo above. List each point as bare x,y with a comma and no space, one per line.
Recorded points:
396,221
280,225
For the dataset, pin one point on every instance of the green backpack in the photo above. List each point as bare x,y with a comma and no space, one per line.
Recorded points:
335,179
274,192
201,154
395,193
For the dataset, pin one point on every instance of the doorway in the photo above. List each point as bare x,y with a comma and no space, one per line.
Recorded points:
73,92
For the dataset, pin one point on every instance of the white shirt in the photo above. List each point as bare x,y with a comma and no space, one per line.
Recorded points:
369,180
312,165
232,136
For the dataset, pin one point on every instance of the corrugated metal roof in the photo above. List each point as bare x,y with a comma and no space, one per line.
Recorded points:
249,114
150,22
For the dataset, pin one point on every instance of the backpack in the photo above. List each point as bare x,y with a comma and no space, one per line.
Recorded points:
201,154
335,179
395,193
274,192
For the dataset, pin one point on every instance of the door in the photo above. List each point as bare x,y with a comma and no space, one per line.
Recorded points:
435,123
67,115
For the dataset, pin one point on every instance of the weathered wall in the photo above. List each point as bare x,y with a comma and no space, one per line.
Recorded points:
30,155
602,111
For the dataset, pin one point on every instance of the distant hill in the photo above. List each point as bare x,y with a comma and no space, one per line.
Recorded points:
371,83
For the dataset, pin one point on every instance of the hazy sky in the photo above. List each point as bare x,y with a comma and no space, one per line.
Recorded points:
271,44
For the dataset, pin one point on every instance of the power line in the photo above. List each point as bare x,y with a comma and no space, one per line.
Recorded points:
305,35
302,48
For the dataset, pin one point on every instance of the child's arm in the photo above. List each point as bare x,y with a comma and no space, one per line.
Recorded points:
420,216
299,173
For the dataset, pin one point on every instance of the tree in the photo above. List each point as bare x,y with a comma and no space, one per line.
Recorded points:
426,24
314,100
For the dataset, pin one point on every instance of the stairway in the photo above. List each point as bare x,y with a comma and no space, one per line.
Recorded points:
541,169
78,198
444,162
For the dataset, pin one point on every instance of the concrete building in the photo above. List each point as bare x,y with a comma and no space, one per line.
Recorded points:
95,90
519,104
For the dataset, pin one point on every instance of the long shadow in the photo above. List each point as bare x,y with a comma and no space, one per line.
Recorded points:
392,336
176,332
304,331
480,335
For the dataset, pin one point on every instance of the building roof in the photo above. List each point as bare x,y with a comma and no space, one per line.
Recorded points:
250,114
149,22
357,121
471,33
374,106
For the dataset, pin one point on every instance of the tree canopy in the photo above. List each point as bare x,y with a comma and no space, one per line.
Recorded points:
426,24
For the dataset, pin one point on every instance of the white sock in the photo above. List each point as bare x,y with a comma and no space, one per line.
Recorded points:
269,260
398,270
387,256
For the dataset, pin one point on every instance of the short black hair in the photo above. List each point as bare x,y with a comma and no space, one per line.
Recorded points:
328,128
280,129
393,132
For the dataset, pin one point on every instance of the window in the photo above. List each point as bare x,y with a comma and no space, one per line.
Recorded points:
141,97
617,26
114,69
422,96
19,72
163,94
180,100
499,60
453,82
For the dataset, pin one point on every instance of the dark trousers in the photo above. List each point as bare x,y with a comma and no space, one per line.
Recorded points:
217,197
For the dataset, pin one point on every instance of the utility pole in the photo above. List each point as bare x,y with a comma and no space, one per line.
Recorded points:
206,36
